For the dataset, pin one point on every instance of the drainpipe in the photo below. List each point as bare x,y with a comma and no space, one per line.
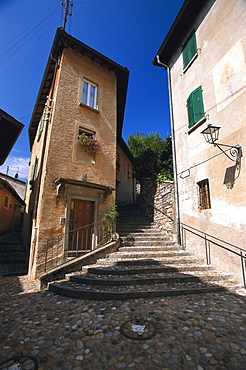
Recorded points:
176,192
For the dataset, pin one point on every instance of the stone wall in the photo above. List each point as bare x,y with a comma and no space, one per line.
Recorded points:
157,201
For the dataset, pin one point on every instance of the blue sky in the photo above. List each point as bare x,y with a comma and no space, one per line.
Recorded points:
127,31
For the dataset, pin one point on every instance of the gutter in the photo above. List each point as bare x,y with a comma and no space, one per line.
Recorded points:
176,193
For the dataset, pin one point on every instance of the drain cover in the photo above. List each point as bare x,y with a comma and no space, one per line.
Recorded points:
20,363
138,329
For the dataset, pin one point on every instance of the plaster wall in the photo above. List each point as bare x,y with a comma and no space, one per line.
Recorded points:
220,69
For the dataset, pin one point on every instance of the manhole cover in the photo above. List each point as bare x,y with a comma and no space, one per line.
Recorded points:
138,329
20,363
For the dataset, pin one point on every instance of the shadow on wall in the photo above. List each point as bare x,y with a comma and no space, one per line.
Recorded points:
231,176
147,197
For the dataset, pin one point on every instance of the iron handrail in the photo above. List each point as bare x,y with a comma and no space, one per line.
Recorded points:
55,253
157,209
208,238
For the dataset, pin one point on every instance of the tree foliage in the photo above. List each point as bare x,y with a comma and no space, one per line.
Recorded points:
152,156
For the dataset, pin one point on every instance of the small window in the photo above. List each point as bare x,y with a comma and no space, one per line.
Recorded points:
41,123
118,161
128,170
89,94
195,106
86,132
34,166
6,201
204,196
189,50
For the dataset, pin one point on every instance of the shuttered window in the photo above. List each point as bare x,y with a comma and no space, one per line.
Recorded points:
31,182
195,106
189,49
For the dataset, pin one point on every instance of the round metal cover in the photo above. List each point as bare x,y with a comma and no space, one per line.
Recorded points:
20,363
138,329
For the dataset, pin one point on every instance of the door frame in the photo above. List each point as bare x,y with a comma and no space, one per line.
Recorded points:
71,196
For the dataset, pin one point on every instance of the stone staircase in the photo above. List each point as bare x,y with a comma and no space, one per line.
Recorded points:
13,260
146,265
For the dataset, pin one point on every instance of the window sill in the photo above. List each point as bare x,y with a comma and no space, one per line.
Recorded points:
190,63
197,124
90,108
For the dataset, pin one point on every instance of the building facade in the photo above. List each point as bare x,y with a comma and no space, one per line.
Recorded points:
73,134
204,54
11,207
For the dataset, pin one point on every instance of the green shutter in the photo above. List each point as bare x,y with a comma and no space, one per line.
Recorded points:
189,49
195,106
198,109
31,182
190,111
41,125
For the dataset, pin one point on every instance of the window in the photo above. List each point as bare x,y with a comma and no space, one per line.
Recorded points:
189,50
31,182
6,201
41,123
128,170
204,196
195,106
89,94
118,161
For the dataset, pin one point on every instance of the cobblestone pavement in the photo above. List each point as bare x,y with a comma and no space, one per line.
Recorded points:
193,332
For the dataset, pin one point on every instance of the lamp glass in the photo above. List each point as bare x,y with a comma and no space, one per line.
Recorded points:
211,133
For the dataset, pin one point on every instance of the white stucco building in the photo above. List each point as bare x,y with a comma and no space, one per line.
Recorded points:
204,54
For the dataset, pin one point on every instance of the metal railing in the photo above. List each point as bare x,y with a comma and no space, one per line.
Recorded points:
163,213
210,239
73,244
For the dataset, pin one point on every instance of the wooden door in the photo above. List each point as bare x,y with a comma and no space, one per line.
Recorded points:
80,227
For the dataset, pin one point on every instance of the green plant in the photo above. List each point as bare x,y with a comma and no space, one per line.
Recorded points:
164,176
151,153
109,223
89,143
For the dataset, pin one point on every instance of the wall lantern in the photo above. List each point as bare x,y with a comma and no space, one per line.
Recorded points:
234,152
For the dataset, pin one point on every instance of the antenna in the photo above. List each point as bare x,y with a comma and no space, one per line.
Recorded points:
68,11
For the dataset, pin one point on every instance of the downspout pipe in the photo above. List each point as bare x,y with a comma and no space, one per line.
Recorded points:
176,191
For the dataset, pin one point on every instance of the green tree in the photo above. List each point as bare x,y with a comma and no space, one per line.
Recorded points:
152,156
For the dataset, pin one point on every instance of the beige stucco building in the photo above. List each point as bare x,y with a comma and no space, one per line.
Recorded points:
82,92
205,53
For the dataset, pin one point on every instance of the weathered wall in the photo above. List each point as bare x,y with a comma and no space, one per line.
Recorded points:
157,201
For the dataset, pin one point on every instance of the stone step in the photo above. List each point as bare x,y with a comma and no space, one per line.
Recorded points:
150,261
148,254
151,248
126,270
147,279
145,243
91,292
13,257
144,235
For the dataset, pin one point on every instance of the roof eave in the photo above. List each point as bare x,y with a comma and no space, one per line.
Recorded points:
179,29
63,39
